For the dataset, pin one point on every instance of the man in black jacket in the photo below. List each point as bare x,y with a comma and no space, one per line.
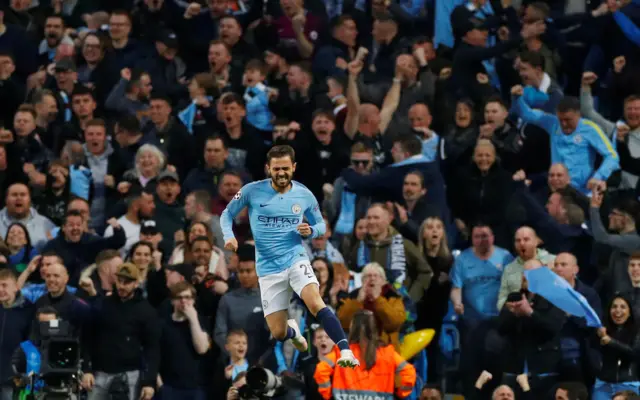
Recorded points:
471,52
68,306
79,248
414,209
16,314
387,184
126,335
530,326
169,135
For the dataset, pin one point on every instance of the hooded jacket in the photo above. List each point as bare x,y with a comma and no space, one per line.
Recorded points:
37,226
616,277
417,272
533,341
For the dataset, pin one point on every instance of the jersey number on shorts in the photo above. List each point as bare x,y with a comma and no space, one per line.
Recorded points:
307,270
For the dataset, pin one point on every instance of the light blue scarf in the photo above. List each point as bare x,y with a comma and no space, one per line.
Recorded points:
188,115
396,265
80,181
417,159
347,217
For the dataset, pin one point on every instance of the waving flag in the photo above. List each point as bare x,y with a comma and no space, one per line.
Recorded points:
557,291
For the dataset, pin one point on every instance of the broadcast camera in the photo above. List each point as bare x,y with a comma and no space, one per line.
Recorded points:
52,363
264,384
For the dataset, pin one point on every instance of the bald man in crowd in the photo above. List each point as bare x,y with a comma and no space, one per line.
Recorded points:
69,307
526,247
574,334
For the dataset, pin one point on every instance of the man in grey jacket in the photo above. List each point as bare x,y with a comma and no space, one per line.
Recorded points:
18,209
626,131
625,241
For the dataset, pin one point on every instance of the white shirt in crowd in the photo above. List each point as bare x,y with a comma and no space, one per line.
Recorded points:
131,230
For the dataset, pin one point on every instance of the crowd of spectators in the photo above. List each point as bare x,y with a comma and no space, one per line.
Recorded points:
451,144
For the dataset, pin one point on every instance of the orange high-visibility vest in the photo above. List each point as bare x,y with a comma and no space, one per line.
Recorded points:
390,374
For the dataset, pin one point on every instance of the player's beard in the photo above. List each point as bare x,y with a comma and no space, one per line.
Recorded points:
281,180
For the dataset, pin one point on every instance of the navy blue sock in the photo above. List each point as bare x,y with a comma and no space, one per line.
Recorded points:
290,333
331,325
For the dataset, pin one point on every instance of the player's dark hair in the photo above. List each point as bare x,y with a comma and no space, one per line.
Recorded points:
281,151
568,103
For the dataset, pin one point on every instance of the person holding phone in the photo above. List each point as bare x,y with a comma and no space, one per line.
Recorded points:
531,326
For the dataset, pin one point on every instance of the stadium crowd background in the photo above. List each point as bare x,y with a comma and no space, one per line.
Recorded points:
447,157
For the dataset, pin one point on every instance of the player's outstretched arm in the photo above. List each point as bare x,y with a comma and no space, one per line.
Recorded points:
234,207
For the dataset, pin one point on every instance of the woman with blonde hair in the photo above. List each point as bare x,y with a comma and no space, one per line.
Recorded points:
379,297
382,370
434,247
182,253
149,163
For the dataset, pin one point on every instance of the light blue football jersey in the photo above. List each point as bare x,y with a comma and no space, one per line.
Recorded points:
274,218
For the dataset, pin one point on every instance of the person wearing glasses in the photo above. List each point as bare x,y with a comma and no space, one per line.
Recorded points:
342,206
183,344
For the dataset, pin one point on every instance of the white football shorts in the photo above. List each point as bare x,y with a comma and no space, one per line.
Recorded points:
275,289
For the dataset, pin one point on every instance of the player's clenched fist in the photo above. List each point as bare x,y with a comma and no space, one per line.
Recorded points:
304,230
231,244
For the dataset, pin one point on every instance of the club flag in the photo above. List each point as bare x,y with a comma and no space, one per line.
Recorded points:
557,291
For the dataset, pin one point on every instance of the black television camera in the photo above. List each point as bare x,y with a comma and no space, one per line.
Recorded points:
264,384
59,348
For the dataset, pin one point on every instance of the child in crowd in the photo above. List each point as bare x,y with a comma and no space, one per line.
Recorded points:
257,96
202,90
236,346
322,345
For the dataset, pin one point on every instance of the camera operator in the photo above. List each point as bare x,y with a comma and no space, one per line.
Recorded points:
125,335
239,381
16,314
22,367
